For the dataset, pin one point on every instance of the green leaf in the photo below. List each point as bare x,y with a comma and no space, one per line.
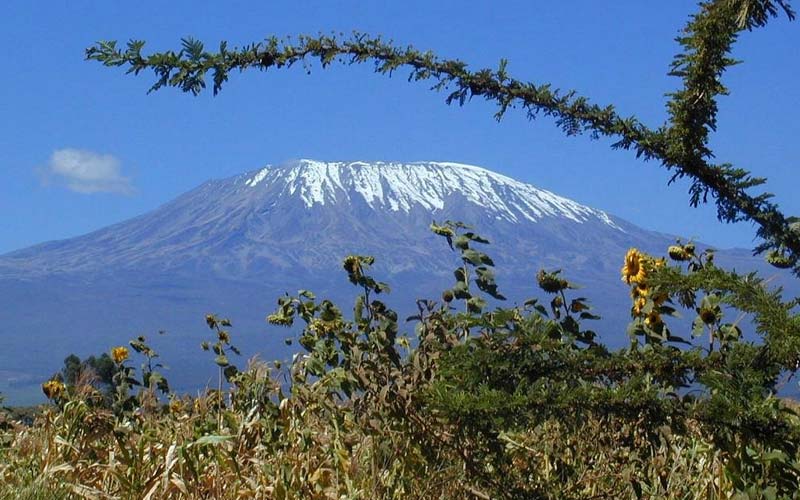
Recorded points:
306,294
230,372
461,290
476,258
487,284
570,325
212,439
221,360
476,305
485,272
358,309
676,338
474,237
698,327
315,366
443,231
329,311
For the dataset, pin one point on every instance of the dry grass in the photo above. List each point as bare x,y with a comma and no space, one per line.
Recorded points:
299,447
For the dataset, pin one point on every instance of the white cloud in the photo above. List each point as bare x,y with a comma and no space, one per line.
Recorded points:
87,172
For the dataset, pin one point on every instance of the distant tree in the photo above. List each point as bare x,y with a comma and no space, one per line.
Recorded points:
681,145
102,368
72,369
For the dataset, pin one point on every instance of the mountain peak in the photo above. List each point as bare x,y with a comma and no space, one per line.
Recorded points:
243,225
430,185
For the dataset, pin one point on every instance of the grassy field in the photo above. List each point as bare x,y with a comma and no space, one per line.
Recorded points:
259,445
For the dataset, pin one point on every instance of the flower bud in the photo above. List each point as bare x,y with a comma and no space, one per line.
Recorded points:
708,316
779,260
653,319
550,282
676,252
638,306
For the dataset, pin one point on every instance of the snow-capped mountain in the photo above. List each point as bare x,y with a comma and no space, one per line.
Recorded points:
309,214
403,186
232,246
305,215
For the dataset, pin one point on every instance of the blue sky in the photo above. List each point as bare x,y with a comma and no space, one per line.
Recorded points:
83,146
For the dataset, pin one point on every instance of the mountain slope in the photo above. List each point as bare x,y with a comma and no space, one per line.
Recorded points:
232,246
264,218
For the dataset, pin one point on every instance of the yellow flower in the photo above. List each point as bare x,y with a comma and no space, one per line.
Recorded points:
53,389
633,271
640,292
323,328
638,306
176,406
652,319
119,354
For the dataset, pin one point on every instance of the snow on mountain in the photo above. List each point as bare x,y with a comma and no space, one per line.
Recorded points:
307,214
400,186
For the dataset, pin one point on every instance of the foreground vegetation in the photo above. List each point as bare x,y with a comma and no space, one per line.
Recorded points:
483,402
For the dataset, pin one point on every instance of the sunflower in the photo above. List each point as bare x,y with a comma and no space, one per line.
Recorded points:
708,316
176,406
660,298
638,306
323,328
633,271
642,291
652,319
53,389
119,354
551,282
678,253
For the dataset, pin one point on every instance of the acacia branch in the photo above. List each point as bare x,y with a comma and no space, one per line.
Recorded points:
680,145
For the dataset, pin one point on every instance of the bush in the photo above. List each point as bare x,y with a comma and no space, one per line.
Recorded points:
519,402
